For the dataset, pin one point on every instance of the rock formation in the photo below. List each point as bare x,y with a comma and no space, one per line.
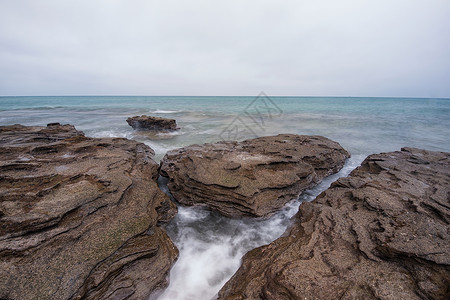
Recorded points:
381,233
79,217
151,123
250,178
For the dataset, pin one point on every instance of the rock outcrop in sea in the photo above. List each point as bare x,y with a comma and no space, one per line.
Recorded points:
152,123
255,177
381,233
80,217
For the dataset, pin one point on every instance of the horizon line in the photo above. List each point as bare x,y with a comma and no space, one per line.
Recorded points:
204,96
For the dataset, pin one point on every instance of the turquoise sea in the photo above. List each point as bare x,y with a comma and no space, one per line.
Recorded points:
211,246
362,125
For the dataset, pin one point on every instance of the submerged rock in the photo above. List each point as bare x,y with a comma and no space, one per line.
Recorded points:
381,233
251,178
151,123
79,217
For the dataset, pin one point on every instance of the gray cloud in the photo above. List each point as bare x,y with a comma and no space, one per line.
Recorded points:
137,47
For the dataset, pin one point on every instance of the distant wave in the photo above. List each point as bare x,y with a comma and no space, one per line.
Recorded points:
170,133
159,111
47,107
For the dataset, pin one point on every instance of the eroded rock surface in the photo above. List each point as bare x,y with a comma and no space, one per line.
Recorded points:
151,123
250,178
79,216
381,233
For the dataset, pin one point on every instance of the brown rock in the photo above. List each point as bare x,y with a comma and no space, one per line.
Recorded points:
250,178
79,216
151,123
381,233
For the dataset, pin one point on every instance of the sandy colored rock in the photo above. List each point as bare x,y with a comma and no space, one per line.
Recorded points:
381,233
79,217
151,123
255,177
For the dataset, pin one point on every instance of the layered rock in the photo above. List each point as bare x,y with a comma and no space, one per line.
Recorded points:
79,217
151,123
250,178
381,233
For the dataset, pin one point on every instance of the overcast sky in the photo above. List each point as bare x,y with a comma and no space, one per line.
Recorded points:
215,47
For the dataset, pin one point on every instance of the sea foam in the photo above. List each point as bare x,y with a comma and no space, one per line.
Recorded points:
211,246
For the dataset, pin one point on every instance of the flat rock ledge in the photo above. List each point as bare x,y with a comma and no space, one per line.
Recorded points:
381,233
80,217
152,123
255,177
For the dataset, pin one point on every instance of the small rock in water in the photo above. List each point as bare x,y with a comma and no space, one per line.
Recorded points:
151,123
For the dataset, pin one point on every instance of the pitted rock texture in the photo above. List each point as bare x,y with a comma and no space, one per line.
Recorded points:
255,177
79,217
381,233
151,123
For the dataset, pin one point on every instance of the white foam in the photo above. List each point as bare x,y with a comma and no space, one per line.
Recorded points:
170,133
349,166
211,246
112,134
159,111
159,148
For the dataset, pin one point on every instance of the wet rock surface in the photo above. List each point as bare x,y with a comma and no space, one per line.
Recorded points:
381,233
79,217
152,123
251,178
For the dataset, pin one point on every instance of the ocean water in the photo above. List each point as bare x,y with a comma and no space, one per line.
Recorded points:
211,246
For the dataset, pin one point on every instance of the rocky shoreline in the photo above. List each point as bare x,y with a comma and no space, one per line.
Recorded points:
380,233
80,217
83,218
